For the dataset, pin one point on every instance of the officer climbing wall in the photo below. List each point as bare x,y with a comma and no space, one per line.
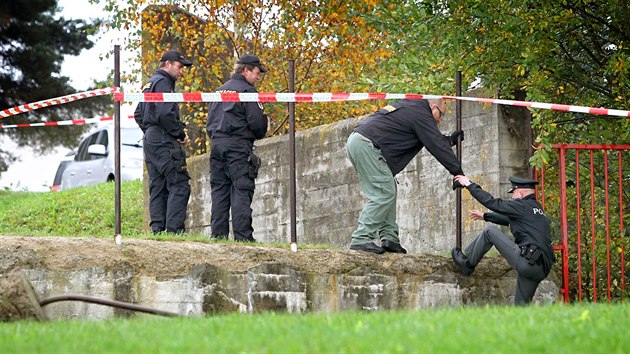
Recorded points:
531,252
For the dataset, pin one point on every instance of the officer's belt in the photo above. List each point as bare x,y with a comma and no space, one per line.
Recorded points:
532,253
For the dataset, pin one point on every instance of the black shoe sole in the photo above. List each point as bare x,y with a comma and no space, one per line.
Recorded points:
372,249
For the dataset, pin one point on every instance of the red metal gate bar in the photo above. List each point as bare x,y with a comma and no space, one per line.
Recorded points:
594,256
564,230
579,223
621,229
607,223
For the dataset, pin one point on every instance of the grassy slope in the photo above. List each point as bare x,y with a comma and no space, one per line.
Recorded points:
84,211
584,328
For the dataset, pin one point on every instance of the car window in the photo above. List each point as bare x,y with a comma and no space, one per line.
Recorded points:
82,154
102,139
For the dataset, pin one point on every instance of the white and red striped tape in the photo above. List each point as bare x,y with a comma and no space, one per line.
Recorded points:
60,123
342,96
290,97
55,101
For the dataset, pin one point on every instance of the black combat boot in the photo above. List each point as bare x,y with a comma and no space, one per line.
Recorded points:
462,261
368,247
393,247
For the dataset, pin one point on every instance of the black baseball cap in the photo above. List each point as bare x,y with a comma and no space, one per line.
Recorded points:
252,60
518,182
174,55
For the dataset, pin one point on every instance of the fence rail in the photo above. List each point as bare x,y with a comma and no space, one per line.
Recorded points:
582,190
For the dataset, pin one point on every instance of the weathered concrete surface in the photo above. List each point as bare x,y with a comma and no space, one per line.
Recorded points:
17,298
329,198
197,279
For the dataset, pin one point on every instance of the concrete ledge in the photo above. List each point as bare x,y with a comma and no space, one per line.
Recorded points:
197,279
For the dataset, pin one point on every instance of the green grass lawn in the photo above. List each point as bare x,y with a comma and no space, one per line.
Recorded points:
83,211
89,211
582,328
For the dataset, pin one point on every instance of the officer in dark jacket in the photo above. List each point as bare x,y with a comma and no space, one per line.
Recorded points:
232,128
531,252
164,156
380,147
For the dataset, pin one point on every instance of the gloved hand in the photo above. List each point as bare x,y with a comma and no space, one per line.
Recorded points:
453,137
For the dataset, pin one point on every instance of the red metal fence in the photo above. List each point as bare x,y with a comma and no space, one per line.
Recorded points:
582,191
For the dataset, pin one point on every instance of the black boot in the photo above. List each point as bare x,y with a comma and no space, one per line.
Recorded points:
393,247
462,261
368,247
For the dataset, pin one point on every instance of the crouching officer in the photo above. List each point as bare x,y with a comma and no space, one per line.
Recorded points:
530,254
164,156
233,127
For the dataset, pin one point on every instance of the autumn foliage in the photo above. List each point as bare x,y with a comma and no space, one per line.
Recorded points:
329,40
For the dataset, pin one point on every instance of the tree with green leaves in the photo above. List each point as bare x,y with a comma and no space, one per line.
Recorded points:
33,43
573,52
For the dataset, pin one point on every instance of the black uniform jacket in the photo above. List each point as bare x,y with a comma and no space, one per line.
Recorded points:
162,114
402,129
525,216
236,120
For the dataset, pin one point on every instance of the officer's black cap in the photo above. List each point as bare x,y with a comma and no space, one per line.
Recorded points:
174,55
518,182
252,60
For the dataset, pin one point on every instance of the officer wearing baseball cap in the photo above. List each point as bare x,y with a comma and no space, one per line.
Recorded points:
233,127
252,60
174,55
165,159
530,253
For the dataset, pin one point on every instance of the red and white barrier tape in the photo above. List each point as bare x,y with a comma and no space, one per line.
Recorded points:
264,96
55,101
342,96
60,123
551,106
290,97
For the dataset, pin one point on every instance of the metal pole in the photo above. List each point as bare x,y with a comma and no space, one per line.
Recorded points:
117,237
458,193
292,194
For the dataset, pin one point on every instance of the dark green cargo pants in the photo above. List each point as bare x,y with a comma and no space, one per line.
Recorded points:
378,217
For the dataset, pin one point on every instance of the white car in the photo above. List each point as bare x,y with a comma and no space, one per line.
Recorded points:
94,160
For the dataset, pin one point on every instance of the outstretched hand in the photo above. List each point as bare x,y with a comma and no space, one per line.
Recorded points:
462,180
475,214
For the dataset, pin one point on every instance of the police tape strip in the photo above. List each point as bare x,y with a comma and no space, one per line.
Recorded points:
55,101
60,123
342,96
289,97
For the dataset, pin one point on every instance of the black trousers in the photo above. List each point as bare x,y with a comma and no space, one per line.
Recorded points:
528,276
169,187
232,190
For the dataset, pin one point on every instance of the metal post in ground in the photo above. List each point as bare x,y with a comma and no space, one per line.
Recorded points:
117,232
458,195
292,193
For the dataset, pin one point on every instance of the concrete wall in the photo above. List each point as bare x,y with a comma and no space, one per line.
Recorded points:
329,198
198,279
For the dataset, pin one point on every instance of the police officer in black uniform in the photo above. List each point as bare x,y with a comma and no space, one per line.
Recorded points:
164,156
531,252
233,127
